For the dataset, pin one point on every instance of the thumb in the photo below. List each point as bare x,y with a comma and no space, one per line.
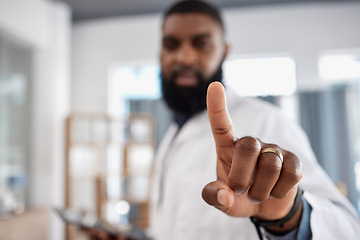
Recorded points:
218,194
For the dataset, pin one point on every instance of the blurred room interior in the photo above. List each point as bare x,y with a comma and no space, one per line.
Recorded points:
81,112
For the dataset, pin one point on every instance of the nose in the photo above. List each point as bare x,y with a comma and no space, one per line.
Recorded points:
187,56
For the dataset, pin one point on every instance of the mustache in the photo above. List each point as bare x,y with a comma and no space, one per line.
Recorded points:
180,69
187,101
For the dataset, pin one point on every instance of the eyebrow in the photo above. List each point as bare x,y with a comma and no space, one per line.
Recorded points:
201,36
195,37
168,38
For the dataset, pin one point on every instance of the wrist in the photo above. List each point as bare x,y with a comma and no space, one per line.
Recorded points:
288,226
287,223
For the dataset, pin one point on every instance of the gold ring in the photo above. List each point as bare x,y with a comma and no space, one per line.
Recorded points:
275,151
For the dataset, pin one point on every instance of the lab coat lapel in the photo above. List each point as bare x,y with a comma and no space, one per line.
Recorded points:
194,126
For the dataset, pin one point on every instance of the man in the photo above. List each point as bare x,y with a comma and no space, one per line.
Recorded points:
256,192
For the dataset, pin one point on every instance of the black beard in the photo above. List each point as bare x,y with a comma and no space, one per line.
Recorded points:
188,101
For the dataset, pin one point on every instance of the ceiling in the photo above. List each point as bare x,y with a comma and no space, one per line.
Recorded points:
95,9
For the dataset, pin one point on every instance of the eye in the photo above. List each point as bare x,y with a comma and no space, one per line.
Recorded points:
170,44
202,44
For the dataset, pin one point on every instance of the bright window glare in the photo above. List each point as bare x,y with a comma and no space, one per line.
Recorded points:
261,76
249,77
137,82
339,67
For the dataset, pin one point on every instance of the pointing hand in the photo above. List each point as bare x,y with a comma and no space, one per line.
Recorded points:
249,183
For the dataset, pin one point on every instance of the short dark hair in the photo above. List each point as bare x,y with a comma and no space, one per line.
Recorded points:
195,6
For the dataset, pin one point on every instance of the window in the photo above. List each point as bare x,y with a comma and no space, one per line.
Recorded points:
137,82
132,81
15,112
266,76
339,67
261,76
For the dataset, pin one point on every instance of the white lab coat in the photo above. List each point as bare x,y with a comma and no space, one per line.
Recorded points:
186,162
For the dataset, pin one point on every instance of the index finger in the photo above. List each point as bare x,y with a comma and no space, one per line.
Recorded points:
220,121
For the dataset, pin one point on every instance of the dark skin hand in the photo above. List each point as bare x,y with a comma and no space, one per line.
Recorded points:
249,183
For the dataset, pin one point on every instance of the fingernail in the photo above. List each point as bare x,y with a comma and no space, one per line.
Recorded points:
222,197
256,201
239,192
274,197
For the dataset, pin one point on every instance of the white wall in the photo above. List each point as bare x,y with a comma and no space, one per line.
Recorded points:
301,30
27,20
51,101
45,26
97,45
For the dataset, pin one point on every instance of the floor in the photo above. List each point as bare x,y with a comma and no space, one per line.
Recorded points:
31,225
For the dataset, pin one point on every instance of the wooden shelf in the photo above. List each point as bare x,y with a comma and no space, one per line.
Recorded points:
100,149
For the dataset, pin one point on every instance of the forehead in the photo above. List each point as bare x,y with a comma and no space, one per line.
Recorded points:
190,24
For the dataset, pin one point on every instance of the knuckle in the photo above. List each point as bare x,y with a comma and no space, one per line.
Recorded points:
292,174
250,144
237,185
290,155
292,170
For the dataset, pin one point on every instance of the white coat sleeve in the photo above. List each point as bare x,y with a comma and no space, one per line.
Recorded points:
332,215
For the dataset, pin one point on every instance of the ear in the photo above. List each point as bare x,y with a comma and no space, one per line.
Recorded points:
226,49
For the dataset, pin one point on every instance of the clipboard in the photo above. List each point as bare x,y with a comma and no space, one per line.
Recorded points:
84,220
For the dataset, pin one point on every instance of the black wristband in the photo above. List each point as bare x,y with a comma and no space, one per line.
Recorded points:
280,222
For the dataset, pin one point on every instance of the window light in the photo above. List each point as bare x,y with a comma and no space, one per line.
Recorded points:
261,76
340,67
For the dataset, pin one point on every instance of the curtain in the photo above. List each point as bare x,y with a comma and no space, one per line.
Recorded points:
269,99
324,115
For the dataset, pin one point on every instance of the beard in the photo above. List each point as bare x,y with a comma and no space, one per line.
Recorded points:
188,100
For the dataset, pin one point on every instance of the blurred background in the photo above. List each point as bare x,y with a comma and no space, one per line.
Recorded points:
81,114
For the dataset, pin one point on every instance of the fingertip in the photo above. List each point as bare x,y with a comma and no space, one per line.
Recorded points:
215,88
216,97
208,192
217,194
215,84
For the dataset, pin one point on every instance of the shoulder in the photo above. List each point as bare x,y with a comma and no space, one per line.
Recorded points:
255,117
251,106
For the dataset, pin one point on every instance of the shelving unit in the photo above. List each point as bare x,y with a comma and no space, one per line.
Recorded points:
108,161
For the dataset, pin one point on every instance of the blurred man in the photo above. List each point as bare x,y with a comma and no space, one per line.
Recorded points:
267,186
258,184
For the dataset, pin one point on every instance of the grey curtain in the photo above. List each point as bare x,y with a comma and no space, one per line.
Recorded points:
324,116
269,99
